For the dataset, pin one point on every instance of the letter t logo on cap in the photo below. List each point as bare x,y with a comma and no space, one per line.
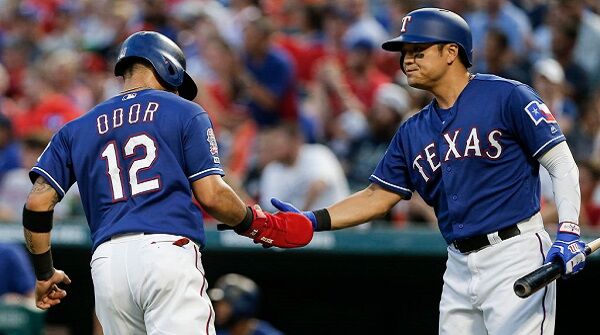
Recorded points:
405,21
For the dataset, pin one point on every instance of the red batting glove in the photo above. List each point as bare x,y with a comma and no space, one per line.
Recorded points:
283,230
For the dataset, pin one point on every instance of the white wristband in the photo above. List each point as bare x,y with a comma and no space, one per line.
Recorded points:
569,227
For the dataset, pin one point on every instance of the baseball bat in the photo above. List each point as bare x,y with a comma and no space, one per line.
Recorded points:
547,273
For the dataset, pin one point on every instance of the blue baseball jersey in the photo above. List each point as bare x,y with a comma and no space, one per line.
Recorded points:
134,158
476,162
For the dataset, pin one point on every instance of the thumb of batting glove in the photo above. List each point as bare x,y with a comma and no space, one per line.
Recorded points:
287,207
568,249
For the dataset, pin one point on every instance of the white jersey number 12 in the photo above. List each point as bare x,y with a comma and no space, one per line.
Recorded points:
114,170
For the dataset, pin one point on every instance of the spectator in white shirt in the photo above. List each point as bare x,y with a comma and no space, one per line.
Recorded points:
309,175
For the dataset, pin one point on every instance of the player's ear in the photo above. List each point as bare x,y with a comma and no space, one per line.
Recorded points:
452,52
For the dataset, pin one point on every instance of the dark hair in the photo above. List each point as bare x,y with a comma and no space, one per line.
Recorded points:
133,63
35,141
290,128
499,36
314,16
571,31
462,55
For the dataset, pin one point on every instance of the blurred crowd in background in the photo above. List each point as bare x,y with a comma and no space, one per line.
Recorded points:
303,99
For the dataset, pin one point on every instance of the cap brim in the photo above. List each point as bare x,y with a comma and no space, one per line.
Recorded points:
396,43
188,90
393,45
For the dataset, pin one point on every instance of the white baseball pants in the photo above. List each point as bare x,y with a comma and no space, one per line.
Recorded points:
146,284
478,296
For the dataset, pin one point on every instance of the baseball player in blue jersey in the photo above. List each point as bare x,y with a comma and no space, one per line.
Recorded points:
139,158
474,154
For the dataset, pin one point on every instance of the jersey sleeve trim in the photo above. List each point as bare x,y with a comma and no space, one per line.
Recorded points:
544,148
395,188
48,178
207,172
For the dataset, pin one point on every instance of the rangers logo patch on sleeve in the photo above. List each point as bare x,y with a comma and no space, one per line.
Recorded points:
212,141
539,112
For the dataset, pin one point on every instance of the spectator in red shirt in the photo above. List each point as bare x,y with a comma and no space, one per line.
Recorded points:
307,46
361,74
344,95
49,109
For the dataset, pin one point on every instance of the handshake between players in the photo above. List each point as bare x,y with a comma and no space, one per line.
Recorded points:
282,229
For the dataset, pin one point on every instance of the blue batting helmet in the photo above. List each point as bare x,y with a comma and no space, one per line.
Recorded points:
240,292
434,25
166,58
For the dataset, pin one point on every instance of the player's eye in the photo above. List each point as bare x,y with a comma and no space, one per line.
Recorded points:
417,51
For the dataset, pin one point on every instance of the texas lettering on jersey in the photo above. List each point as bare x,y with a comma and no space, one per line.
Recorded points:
476,163
471,148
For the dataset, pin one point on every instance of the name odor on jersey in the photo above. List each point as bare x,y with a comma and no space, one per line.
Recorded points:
136,113
472,148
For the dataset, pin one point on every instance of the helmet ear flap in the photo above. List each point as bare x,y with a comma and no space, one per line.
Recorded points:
169,70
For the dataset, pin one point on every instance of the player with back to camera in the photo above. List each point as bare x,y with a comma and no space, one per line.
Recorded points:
138,158
474,154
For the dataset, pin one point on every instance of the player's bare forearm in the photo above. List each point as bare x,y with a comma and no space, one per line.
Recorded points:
37,243
264,98
37,224
42,198
219,200
229,209
362,206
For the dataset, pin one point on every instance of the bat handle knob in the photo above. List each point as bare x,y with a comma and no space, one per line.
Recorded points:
521,288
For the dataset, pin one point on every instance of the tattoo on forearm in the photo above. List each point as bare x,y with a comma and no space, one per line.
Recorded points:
29,241
41,187
54,200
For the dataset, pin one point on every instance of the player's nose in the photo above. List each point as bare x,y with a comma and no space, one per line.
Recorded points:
407,64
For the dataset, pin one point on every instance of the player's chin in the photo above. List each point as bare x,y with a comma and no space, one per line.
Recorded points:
414,80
